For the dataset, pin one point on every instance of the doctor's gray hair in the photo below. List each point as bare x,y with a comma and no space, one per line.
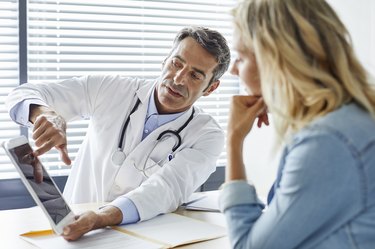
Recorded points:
213,42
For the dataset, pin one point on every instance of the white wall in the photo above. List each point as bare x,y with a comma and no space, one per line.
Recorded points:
359,17
260,159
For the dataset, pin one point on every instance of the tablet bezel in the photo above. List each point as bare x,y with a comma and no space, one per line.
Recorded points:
70,217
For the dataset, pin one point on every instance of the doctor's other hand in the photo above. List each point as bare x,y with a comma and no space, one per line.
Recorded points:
107,216
49,131
244,109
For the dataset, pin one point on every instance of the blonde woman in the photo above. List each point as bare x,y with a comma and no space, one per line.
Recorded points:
295,59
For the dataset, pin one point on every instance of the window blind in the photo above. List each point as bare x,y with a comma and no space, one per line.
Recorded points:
70,38
8,75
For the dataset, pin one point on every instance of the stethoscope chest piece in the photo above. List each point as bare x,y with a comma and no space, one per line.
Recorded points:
118,157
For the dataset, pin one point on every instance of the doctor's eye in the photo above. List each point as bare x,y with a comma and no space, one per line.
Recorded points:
176,63
196,76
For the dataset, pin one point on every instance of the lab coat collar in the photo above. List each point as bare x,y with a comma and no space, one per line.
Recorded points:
137,119
144,92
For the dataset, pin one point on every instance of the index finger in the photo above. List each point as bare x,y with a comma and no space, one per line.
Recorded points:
37,167
38,172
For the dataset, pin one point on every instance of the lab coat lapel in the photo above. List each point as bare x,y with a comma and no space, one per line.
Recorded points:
137,119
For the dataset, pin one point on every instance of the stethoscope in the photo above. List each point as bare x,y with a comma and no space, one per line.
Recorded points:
118,157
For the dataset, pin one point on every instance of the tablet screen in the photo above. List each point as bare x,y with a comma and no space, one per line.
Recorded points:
41,182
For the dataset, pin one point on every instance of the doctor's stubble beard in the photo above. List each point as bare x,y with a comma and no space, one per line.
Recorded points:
180,89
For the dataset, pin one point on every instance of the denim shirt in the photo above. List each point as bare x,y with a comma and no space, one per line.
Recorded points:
324,193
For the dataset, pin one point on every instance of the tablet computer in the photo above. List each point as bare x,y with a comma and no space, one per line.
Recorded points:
39,183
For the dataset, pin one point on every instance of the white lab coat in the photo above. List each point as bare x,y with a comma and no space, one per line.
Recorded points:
107,102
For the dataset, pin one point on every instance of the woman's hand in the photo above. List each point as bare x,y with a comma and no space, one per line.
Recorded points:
244,110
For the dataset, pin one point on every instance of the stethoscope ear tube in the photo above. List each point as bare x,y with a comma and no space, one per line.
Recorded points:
118,157
175,133
120,143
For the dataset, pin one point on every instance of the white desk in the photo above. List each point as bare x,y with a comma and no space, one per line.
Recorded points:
17,221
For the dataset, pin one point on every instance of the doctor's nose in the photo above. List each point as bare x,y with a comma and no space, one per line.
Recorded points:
180,77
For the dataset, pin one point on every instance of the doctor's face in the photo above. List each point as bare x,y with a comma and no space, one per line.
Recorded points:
185,77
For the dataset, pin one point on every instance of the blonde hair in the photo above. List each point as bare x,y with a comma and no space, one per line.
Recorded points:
306,62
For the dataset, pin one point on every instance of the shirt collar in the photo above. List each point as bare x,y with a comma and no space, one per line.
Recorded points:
151,105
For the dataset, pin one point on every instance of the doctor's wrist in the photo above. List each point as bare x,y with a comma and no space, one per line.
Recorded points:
38,110
108,216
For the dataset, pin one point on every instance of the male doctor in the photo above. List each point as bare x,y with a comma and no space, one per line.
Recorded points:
147,147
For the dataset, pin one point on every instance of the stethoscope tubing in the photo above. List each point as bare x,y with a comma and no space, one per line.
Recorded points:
118,157
125,126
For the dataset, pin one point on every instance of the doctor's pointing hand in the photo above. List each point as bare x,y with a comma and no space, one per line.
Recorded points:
49,131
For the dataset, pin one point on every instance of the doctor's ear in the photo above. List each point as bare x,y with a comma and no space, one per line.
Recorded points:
212,87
